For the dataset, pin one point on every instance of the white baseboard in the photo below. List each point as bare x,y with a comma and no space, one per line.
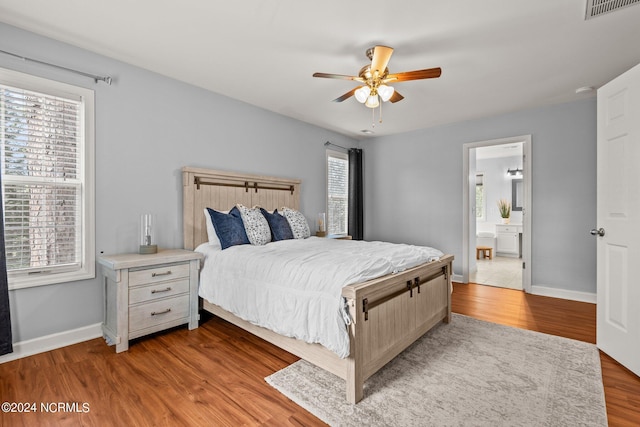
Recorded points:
51,342
546,291
564,294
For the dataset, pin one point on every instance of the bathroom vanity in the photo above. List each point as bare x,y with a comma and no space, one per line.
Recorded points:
509,240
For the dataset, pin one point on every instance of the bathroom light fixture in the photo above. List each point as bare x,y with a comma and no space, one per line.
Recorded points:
514,173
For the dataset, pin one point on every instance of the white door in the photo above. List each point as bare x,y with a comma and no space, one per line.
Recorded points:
618,216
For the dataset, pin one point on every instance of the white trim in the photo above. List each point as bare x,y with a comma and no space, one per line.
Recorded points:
338,155
546,291
54,341
468,208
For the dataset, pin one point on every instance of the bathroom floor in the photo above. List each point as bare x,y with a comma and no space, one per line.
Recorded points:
504,272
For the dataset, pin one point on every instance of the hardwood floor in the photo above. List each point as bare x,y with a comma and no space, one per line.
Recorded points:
211,376
214,375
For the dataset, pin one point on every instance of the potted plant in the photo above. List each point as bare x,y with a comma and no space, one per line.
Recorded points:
504,207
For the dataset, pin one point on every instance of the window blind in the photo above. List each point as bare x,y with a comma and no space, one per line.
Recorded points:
41,138
338,193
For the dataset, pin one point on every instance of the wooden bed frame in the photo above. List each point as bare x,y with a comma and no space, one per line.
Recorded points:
388,314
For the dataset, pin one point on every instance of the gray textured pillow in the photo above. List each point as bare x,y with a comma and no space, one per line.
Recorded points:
255,225
297,222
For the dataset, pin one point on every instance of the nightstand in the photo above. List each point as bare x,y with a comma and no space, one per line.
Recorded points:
148,293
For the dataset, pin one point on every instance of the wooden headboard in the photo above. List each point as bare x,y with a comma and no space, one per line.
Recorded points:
220,190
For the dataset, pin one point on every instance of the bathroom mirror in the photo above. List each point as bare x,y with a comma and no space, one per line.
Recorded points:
516,195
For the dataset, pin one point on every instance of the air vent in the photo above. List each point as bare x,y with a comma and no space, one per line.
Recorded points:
596,8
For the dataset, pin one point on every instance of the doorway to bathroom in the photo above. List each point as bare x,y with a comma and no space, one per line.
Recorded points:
497,226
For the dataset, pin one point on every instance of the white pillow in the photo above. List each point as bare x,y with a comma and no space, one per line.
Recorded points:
297,222
211,231
255,225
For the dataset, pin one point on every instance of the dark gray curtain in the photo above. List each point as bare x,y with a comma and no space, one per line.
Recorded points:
356,208
6,345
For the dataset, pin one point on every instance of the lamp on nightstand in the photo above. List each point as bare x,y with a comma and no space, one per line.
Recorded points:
147,235
322,225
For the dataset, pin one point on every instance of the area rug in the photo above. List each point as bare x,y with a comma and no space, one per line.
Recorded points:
465,373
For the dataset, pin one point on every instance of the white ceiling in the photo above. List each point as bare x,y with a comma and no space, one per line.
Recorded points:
501,150
496,55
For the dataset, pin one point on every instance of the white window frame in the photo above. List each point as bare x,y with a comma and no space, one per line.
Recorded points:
343,156
86,270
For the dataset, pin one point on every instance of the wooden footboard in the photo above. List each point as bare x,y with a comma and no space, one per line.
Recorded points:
388,314
391,313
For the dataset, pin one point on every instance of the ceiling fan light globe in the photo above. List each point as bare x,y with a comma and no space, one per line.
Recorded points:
362,94
372,101
385,92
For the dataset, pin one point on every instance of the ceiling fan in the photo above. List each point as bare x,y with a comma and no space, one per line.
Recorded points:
375,78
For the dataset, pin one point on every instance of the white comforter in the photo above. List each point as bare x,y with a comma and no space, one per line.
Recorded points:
293,287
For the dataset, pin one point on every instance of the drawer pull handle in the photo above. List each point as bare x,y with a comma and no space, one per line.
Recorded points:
166,273
156,291
157,313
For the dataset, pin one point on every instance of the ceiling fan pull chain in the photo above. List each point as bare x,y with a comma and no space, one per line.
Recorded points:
373,117
380,113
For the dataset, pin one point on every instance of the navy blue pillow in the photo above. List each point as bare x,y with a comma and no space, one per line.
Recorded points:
229,228
280,228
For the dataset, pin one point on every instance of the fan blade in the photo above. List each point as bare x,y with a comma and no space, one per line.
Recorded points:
380,59
347,95
337,76
429,73
396,97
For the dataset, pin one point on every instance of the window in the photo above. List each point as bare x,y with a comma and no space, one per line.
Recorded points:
480,205
337,192
47,156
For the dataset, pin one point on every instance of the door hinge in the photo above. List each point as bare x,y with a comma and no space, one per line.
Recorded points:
523,265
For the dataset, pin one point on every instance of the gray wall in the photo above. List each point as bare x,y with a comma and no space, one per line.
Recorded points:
148,127
413,188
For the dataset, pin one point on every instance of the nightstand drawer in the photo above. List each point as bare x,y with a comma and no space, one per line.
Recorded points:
159,290
158,312
158,274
